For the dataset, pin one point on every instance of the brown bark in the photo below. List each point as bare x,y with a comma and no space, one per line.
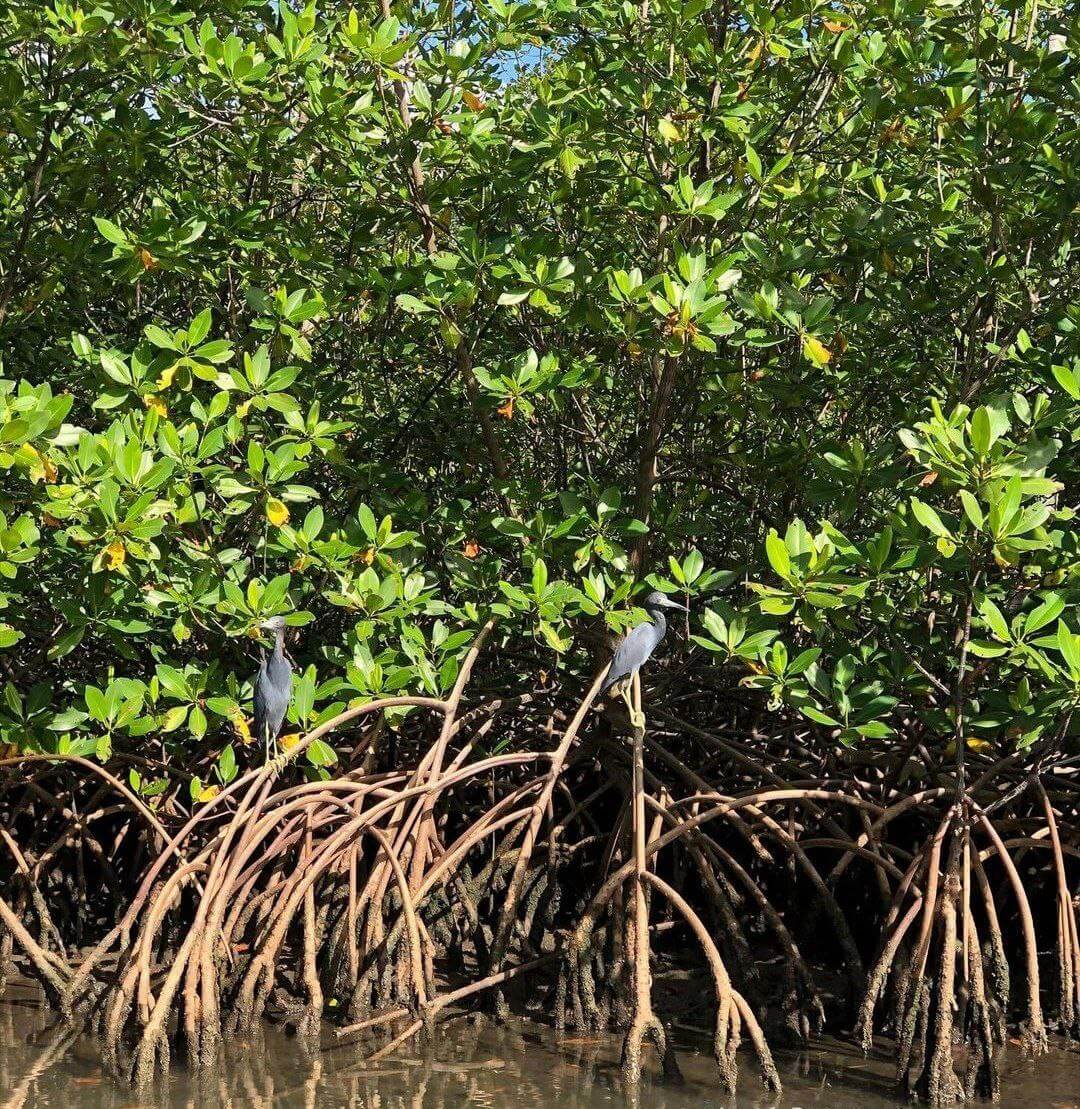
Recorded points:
664,378
418,192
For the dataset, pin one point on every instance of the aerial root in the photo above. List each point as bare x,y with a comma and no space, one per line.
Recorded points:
48,969
965,996
1068,932
336,902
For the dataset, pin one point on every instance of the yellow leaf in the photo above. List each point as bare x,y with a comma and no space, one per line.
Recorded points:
208,793
972,743
288,742
242,409
40,467
833,27
506,410
117,553
367,557
167,375
668,130
157,404
816,351
242,728
276,512
473,102
471,548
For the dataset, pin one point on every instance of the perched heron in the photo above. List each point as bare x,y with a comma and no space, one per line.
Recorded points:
637,647
273,687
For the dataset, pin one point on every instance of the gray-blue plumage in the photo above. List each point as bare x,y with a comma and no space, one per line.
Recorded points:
273,687
639,643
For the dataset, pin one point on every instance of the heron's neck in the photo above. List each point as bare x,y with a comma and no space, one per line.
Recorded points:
279,643
656,615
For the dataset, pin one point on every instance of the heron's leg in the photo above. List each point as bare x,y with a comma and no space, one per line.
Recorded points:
637,717
277,761
624,693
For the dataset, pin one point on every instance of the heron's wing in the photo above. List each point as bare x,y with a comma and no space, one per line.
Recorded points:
259,715
273,692
632,651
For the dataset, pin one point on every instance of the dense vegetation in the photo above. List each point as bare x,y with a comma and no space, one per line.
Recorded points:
442,329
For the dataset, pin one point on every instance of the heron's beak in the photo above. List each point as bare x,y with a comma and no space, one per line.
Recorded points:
263,628
668,603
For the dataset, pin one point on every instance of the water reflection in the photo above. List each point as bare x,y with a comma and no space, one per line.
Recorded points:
473,1062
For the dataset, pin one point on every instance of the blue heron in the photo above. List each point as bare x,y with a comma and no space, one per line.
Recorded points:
273,687
636,649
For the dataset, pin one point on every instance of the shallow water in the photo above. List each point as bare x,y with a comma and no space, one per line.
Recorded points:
473,1062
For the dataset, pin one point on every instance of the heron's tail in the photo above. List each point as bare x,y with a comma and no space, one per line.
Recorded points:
610,682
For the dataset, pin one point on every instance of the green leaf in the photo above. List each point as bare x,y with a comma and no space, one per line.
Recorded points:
971,509
320,753
95,703
110,231
414,306
994,619
874,729
200,327
1069,646
367,522
692,566
777,553
539,577
980,431
1068,380
1050,609
226,765
554,640
802,660
818,716
929,518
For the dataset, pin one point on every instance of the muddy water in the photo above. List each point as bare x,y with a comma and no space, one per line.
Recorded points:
473,1062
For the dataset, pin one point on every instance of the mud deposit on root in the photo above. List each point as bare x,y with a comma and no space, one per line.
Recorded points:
475,1062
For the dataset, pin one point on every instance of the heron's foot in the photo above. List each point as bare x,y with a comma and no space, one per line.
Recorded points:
637,718
277,764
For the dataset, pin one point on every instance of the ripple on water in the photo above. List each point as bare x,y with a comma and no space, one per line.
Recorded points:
472,1062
